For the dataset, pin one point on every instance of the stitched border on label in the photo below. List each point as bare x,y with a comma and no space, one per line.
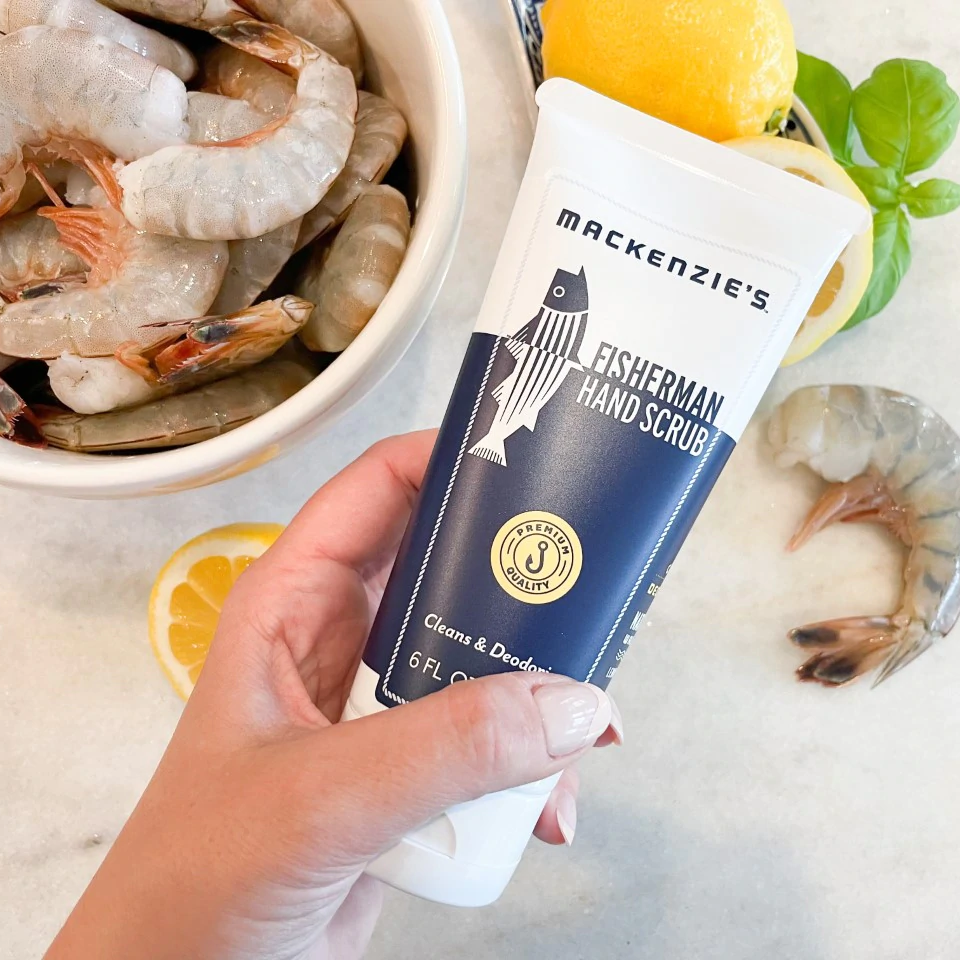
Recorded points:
747,381
460,454
717,434
552,178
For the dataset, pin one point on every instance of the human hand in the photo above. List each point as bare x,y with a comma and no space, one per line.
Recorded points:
251,839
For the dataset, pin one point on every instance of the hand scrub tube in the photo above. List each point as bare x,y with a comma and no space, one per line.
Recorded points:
648,287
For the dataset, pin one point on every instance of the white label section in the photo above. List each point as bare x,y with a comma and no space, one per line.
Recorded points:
693,306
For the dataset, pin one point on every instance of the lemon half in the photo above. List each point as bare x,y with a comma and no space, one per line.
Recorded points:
847,282
190,591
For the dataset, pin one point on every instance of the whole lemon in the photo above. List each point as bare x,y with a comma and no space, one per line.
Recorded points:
721,68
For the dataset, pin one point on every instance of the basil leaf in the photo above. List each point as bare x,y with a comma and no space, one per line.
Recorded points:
907,114
932,198
826,93
880,185
891,261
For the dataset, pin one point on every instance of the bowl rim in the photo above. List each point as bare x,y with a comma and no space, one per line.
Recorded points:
437,225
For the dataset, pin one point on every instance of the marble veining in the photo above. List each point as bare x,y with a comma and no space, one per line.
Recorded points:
747,816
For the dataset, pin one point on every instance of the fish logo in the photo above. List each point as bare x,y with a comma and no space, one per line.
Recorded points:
546,349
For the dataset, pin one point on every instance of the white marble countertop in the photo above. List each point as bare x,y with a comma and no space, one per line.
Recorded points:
747,817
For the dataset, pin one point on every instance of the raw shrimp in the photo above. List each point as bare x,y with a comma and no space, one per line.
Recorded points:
190,354
200,14
253,185
135,279
323,23
381,131
889,460
87,99
226,344
349,281
31,252
212,118
187,418
93,17
233,73
254,264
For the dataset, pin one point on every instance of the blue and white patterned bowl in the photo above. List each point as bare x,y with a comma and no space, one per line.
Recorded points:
528,29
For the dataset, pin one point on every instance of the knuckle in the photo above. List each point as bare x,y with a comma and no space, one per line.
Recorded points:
245,614
383,449
497,724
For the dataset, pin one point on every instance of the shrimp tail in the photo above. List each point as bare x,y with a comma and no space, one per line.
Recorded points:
865,499
846,648
97,162
100,166
87,232
850,647
914,641
269,42
34,170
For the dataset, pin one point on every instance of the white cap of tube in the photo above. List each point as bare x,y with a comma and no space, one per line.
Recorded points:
466,857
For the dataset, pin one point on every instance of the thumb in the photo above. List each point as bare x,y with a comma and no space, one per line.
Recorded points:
408,764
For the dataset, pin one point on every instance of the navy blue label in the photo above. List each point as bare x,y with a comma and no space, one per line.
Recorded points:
549,515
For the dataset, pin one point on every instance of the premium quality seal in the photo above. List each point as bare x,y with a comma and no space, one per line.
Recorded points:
536,557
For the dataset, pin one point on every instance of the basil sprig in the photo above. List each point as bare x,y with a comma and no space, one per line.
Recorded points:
906,116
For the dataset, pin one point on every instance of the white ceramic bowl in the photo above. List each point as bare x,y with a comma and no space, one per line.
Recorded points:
411,59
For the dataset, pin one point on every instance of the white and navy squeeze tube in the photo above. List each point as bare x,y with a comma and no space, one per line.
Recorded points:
649,284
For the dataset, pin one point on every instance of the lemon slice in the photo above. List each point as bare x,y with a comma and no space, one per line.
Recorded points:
847,282
190,591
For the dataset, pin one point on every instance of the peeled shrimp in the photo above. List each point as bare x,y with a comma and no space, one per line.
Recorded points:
323,23
258,183
31,252
233,73
190,354
95,18
891,460
184,419
254,264
80,97
201,14
381,131
135,279
348,282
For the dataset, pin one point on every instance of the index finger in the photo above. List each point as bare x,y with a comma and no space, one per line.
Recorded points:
313,592
357,519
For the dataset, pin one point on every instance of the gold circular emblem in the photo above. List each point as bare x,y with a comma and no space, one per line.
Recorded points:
536,557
